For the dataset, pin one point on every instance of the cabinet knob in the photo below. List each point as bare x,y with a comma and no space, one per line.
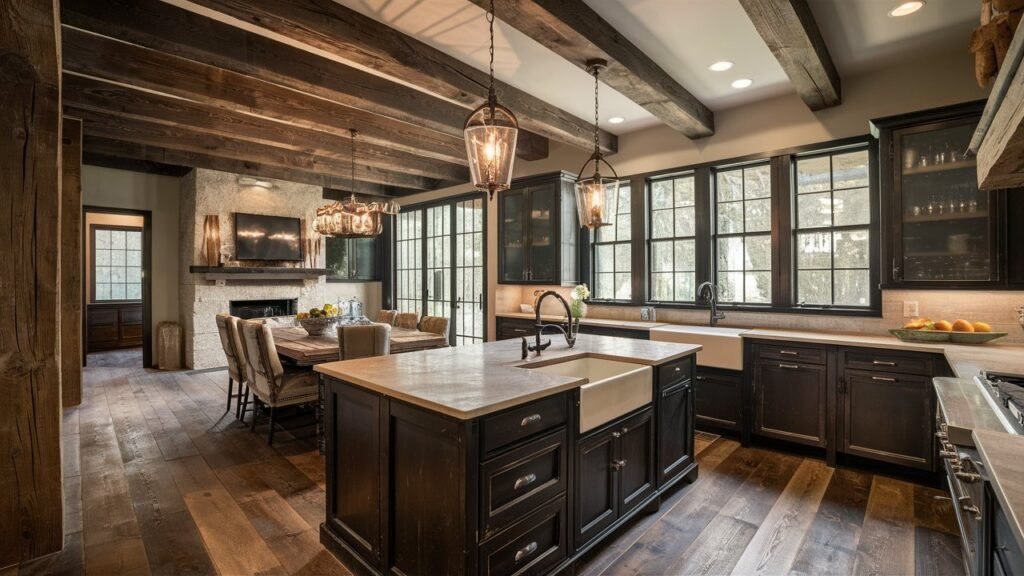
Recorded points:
531,419
618,464
526,551
616,435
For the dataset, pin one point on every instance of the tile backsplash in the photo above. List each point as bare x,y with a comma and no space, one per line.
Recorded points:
998,308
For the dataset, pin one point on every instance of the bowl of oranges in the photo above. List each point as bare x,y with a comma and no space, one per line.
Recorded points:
958,331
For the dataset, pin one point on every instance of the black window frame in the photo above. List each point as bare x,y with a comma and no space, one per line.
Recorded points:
93,229
649,239
590,245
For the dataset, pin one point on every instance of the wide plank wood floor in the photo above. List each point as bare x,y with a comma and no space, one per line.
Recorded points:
158,480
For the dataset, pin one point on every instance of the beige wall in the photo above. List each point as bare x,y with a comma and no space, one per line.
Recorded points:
776,124
109,188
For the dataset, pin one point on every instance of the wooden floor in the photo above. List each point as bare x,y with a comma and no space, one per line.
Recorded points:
159,481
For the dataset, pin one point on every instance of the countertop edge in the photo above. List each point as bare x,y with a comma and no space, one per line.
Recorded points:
1012,513
638,325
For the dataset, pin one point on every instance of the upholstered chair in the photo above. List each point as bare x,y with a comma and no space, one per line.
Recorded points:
435,324
408,320
238,372
387,316
273,385
364,341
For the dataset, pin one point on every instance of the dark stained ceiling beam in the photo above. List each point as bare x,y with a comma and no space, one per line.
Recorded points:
347,34
575,32
99,150
172,30
97,95
789,30
197,141
134,165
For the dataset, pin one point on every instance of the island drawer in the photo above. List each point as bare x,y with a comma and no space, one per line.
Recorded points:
533,546
521,422
675,371
516,482
787,352
877,360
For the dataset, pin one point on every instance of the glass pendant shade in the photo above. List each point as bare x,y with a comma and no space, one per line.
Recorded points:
597,198
491,132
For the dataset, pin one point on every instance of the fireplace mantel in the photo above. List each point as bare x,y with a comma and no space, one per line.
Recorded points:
257,273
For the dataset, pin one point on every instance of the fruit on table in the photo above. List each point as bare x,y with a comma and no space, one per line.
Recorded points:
982,327
916,324
962,326
943,326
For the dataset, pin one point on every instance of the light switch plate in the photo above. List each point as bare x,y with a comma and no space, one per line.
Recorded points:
910,309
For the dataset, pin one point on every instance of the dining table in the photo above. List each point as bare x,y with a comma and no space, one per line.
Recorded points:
301,349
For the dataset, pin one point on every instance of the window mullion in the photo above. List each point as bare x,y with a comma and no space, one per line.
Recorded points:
704,227
782,232
637,238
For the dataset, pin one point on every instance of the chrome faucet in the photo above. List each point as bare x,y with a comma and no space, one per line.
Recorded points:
568,332
709,292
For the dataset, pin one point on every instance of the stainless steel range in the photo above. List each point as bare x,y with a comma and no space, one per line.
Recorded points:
1007,393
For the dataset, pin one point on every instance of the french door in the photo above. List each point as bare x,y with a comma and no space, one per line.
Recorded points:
440,264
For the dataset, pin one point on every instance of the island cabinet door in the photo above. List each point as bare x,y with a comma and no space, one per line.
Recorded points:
636,463
675,431
596,484
790,401
888,417
354,468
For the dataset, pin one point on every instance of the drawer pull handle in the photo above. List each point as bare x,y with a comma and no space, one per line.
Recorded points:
883,363
789,366
883,379
701,378
519,330
789,352
524,481
531,419
618,464
526,551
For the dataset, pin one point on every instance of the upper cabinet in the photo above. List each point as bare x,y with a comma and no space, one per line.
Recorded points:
939,229
538,231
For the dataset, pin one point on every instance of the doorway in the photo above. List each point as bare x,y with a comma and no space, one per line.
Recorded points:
440,253
117,295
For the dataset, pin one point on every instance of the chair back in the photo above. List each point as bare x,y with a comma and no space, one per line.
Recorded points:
364,341
231,342
435,324
266,368
386,316
408,320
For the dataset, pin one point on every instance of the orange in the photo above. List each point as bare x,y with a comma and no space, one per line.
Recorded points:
982,327
963,326
943,326
916,324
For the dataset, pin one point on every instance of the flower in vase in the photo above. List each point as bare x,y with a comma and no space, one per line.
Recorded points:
578,307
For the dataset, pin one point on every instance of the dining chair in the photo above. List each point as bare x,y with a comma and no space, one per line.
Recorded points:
274,385
364,341
435,324
387,316
231,342
408,320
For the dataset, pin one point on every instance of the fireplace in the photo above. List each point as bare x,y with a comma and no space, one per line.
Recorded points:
263,308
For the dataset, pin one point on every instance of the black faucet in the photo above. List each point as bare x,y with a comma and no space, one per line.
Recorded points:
570,337
711,297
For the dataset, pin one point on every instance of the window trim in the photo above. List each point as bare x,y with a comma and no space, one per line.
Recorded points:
93,228
649,240
590,244
770,233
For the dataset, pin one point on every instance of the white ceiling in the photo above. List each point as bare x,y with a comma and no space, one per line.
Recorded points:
684,37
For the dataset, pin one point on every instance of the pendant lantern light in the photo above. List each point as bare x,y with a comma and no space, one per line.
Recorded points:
597,196
352,218
491,132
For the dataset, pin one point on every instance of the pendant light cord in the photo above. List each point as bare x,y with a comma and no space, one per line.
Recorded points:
352,159
597,145
490,89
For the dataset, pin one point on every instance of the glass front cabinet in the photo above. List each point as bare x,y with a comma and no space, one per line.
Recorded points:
538,231
939,230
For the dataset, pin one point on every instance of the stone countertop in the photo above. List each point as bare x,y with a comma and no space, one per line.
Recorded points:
466,382
1003,458
965,360
627,324
966,407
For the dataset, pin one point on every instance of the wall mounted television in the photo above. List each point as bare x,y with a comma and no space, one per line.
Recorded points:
259,237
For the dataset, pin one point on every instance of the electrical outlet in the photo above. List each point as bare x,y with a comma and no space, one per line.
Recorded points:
220,282
910,309
647,314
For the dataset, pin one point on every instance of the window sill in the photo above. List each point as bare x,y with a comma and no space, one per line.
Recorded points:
862,312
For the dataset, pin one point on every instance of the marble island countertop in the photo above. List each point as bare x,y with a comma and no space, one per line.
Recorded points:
466,382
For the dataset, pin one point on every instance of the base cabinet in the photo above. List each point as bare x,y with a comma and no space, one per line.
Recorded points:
790,401
718,398
876,412
675,431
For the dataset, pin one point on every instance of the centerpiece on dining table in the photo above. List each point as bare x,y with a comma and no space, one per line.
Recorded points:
318,321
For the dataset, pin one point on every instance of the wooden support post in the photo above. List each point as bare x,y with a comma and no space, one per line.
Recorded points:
71,263
31,499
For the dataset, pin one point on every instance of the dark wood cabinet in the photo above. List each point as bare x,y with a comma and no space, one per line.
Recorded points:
538,231
790,401
113,325
675,431
938,229
718,398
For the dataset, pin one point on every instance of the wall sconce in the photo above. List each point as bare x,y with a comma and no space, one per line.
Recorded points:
250,182
211,240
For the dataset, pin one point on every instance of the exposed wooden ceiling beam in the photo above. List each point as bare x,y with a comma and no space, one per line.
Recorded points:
198,141
789,30
134,165
97,148
92,94
347,34
575,32
102,57
165,28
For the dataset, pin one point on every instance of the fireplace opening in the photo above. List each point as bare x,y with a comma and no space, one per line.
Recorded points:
246,309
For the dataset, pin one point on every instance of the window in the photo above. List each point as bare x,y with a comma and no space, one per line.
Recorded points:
743,241
117,263
673,239
409,261
613,254
352,259
832,230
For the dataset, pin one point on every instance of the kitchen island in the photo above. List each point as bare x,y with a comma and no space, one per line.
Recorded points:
471,460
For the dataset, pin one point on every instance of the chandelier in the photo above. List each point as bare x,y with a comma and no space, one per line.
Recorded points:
491,132
352,218
597,196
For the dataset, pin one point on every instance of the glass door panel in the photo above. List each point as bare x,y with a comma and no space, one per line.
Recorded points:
947,232
469,272
513,251
542,248
438,265
409,261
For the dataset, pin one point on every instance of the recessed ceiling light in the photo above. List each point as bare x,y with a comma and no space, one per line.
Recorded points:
616,120
906,8
721,66
742,83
